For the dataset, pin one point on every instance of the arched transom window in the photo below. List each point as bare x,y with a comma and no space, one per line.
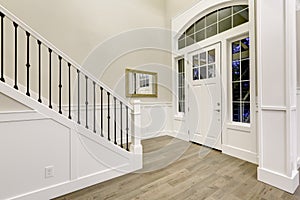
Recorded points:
215,22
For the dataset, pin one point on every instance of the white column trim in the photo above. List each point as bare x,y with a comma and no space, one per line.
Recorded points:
282,173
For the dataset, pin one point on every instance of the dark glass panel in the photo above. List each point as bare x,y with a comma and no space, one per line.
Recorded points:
239,8
190,30
236,49
240,18
196,74
211,71
225,12
179,80
190,40
245,45
200,36
180,65
211,18
246,113
211,56
246,91
182,93
245,70
236,112
203,58
225,24
179,93
182,36
236,70
181,44
200,24
196,60
203,72
180,107
246,42
211,30
236,91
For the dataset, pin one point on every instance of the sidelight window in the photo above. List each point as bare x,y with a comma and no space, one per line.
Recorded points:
181,85
241,81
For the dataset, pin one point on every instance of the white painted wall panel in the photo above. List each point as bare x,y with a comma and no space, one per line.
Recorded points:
273,39
26,148
94,158
273,140
240,139
31,141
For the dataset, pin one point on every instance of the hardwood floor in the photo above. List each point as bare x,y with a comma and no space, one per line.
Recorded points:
179,170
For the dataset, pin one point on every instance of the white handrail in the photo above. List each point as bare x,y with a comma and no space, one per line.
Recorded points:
62,54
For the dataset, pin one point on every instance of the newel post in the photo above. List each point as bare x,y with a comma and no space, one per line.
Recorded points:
136,146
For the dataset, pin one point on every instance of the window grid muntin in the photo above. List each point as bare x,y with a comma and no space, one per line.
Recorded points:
185,37
203,66
242,105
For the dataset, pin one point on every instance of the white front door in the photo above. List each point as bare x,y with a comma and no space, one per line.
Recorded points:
204,96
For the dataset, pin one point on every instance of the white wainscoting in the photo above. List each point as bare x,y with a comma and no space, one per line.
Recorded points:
30,142
156,119
155,116
240,142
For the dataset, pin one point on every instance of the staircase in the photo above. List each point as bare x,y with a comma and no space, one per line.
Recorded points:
74,132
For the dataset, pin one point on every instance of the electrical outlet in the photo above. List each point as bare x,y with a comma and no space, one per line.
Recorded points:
49,172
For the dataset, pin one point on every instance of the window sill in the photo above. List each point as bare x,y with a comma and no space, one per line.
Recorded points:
239,126
179,117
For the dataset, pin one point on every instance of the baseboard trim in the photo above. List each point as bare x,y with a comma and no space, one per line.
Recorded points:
240,153
83,182
156,134
179,135
280,181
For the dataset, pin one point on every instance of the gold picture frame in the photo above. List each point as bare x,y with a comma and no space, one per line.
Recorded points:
140,83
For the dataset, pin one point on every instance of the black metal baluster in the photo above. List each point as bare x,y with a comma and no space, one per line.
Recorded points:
59,86
115,119
101,112
86,102
50,105
94,88
39,61
108,116
127,129
121,125
2,47
28,63
78,77
16,55
69,65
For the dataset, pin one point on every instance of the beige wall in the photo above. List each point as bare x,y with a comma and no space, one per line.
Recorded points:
78,27
177,7
8,104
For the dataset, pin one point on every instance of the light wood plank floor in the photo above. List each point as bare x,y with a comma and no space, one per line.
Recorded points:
179,170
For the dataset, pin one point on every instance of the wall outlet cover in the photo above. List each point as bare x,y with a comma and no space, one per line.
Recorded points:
49,172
